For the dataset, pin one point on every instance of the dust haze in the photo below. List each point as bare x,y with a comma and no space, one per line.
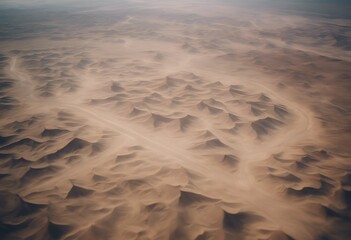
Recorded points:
179,120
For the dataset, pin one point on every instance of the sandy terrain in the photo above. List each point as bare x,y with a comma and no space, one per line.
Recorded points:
175,121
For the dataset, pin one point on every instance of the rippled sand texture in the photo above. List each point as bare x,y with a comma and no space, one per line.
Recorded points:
146,121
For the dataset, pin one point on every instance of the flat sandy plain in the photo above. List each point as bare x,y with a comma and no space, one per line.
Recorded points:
181,121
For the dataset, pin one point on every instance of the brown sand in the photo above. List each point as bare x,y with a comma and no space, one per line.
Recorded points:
177,124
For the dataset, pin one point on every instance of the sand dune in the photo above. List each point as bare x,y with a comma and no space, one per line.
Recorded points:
170,121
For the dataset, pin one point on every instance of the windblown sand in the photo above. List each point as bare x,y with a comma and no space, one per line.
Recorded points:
179,123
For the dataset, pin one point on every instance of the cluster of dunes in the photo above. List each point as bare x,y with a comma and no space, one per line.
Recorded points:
174,121
7,102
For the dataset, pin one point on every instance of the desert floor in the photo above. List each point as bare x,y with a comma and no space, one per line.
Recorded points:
174,121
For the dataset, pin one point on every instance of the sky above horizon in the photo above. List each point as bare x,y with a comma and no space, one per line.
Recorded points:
325,8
